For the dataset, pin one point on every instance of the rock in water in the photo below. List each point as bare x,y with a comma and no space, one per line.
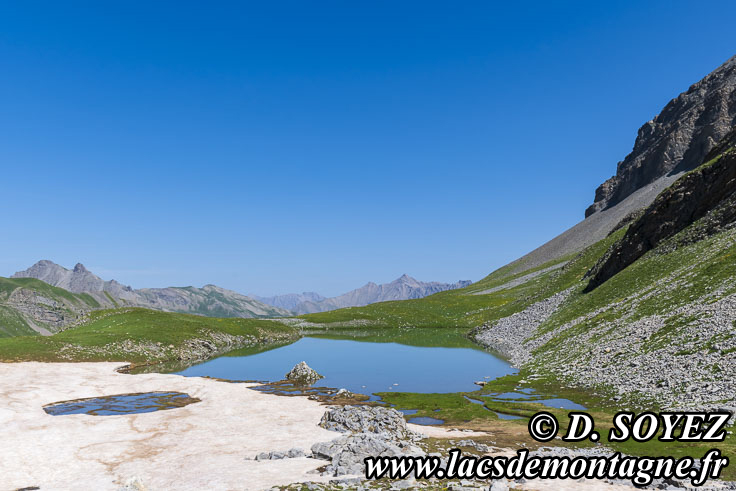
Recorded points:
302,374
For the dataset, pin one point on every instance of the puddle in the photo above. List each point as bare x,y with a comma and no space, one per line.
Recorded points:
426,420
513,396
407,412
527,395
146,402
561,404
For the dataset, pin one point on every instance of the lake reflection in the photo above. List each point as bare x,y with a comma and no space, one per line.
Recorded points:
364,367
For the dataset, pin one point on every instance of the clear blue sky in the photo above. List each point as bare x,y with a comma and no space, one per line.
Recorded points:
271,147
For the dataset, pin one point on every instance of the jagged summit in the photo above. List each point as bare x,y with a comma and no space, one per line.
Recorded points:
78,280
406,279
210,300
677,139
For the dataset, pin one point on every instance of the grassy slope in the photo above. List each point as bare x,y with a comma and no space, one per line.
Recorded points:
12,322
137,335
696,272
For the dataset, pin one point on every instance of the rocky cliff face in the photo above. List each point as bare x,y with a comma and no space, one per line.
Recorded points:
29,306
705,197
209,300
677,139
403,288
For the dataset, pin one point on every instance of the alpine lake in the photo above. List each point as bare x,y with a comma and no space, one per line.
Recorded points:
406,368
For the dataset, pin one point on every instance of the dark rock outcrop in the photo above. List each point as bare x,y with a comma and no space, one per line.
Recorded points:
707,193
677,139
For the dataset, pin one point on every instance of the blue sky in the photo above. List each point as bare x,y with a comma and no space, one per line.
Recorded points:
271,147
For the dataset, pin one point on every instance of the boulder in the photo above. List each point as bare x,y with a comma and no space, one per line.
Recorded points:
302,374
366,419
368,431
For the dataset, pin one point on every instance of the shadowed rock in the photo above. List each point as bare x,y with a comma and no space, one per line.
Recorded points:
707,194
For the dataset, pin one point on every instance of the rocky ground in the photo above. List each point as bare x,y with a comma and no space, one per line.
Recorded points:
507,336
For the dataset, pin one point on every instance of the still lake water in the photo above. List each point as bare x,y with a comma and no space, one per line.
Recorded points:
365,367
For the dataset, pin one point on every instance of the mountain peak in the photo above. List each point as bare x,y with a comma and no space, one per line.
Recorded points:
405,279
78,280
42,267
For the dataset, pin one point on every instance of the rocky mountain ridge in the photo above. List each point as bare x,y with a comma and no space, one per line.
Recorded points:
677,139
403,288
210,300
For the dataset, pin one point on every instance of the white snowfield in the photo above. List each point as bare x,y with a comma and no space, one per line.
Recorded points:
199,446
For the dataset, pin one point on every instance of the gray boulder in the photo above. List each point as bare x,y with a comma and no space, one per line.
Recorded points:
347,453
302,374
367,419
368,431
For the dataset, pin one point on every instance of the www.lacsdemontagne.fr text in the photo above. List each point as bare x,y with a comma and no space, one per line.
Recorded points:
672,427
641,471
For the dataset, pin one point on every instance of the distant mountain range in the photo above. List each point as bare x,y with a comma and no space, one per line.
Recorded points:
210,300
402,288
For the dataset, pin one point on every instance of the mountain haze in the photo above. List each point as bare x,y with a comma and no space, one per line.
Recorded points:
402,288
291,301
